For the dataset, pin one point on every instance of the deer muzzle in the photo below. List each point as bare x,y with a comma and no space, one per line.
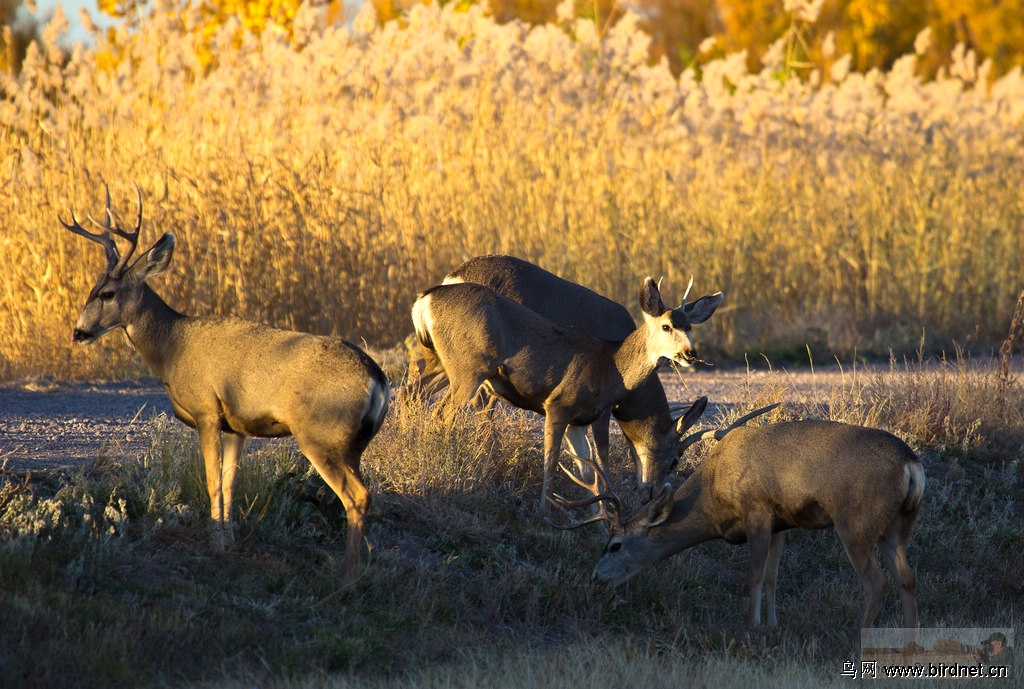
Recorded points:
82,336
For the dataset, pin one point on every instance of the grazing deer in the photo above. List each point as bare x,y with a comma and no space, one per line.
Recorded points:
229,378
481,337
643,414
759,482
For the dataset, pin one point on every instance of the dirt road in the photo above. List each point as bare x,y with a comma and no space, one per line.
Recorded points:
45,426
52,426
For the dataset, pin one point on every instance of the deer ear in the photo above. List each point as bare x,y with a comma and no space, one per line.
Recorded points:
692,415
659,509
650,298
701,310
156,260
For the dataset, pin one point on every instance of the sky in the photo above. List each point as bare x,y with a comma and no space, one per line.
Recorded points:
76,33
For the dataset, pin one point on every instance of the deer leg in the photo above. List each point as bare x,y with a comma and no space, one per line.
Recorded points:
340,470
213,460
646,488
232,445
771,574
484,398
576,439
462,391
356,498
427,376
895,555
554,431
760,539
600,430
862,557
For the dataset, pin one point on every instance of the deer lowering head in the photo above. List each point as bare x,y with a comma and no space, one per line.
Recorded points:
758,482
231,378
643,414
482,338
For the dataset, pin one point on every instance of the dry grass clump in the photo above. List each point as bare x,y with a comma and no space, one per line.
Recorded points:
322,188
957,407
961,407
426,454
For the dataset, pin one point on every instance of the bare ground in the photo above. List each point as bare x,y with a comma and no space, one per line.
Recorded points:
47,425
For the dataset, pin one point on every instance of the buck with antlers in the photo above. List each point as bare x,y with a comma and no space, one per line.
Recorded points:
757,483
643,413
230,378
484,338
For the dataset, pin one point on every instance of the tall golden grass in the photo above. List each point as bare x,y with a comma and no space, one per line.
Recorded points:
321,188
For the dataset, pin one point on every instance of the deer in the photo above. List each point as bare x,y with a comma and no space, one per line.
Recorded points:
482,338
644,414
231,378
758,482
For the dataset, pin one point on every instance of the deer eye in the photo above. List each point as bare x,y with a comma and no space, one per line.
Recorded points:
106,295
666,327
614,547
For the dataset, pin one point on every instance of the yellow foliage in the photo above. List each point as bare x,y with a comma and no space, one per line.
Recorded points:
751,24
252,16
876,31
873,32
117,8
257,15
992,29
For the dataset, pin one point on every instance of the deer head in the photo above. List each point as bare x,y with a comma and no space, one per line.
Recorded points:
118,289
618,563
668,326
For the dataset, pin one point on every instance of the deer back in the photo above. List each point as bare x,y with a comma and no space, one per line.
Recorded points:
810,473
480,335
555,298
643,414
267,382
807,474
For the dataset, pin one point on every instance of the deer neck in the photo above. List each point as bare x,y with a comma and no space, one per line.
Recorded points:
633,362
690,524
152,330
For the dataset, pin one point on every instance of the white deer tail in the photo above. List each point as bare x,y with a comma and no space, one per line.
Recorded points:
914,474
421,321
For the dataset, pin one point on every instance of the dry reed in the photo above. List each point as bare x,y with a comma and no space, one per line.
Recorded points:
322,188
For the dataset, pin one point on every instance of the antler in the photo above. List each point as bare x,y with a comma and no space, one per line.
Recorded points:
112,226
720,433
686,293
105,240
602,496
685,415
116,262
